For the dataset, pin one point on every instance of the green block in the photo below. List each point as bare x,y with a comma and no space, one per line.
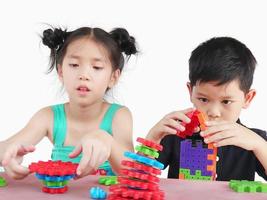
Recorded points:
55,183
108,180
147,151
248,186
197,176
3,182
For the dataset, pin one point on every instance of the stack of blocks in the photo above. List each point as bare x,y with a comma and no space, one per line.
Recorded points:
139,179
197,159
54,175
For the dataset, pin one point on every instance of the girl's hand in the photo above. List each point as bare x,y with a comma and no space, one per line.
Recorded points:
96,149
228,133
169,125
12,160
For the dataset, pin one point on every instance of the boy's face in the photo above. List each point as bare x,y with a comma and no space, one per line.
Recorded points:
220,103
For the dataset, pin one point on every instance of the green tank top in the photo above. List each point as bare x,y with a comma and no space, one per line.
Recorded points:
61,152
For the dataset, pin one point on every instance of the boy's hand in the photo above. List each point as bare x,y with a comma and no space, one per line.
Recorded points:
12,160
96,149
169,125
230,133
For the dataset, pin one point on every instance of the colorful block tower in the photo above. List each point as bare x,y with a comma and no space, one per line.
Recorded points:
54,175
197,159
138,180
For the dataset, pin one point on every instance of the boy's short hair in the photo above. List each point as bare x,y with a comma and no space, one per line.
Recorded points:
222,59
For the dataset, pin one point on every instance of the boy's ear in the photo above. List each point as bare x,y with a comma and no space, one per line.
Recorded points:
189,87
249,97
114,78
59,72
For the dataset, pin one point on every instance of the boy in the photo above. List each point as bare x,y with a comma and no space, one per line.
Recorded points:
220,73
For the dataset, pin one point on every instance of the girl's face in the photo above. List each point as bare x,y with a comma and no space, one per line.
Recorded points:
86,71
220,103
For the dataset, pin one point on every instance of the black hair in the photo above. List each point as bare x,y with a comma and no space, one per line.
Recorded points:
222,59
117,42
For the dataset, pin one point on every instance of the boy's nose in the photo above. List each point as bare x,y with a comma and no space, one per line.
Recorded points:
213,113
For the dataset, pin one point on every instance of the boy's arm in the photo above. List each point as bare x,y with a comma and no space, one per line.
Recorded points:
228,133
166,155
261,154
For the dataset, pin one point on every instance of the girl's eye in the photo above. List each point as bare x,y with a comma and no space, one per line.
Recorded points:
73,65
226,102
97,68
204,100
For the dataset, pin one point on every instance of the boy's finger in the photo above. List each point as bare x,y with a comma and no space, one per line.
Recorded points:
174,124
169,130
188,110
179,116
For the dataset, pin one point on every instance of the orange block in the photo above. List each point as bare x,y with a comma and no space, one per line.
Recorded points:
181,176
202,118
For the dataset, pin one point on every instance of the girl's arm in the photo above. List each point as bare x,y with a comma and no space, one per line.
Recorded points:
35,130
122,129
14,148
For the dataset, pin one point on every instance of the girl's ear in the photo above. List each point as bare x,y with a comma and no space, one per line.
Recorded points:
249,97
189,87
114,78
60,73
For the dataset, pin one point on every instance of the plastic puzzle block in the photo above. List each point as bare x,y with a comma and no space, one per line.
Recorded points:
55,190
3,182
145,160
197,119
147,151
139,179
202,118
116,197
125,192
98,193
248,186
150,144
195,155
54,178
140,166
108,180
53,168
55,184
138,174
133,183
190,127
185,174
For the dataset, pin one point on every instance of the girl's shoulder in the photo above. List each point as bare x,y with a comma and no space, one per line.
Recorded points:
122,119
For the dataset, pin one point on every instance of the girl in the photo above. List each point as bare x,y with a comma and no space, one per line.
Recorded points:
86,130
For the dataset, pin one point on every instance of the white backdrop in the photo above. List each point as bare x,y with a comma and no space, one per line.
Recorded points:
153,84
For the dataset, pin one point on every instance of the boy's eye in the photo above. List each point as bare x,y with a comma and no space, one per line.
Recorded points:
204,100
73,65
226,102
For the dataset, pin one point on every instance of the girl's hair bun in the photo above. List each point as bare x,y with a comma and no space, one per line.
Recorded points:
125,42
54,38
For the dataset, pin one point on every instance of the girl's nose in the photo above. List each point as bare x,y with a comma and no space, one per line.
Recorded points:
83,78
